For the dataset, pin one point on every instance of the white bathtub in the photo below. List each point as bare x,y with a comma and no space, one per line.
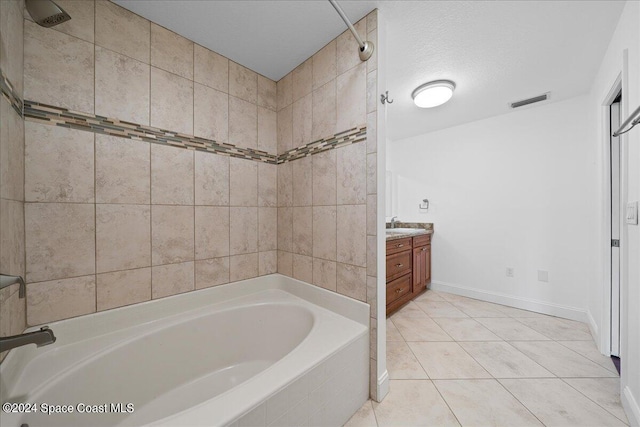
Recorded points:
265,351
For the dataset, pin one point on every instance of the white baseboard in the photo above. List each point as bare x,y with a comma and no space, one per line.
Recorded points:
383,386
593,327
567,312
631,408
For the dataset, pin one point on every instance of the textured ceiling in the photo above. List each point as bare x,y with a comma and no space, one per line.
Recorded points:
496,51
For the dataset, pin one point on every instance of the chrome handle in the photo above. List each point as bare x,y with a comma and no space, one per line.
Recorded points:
399,245
398,290
6,280
398,265
424,249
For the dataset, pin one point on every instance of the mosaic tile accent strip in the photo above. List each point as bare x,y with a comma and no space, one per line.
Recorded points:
348,137
9,93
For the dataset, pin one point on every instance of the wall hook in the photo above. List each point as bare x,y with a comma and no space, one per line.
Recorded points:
385,98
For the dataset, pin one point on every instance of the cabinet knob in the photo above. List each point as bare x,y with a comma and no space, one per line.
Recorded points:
424,249
399,245
398,290
398,265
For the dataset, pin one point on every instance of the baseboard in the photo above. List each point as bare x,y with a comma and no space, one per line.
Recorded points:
383,386
631,408
593,327
567,312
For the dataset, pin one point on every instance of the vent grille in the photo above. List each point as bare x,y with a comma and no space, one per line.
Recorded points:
528,101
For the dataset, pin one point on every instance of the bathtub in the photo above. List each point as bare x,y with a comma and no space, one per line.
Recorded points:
261,352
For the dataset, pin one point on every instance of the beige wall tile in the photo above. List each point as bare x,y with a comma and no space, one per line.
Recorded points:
372,208
267,262
243,182
243,83
302,181
372,91
284,89
243,123
13,316
171,102
285,184
123,170
352,281
212,232
11,153
59,240
58,164
171,52
347,47
172,279
58,69
302,121
352,174
211,69
267,95
324,274
303,268
372,297
372,253
11,42
211,179
243,230
211,113
285,229
372,137
285,129
351,98
123,288
324,65
303,230
324,178
372,168
372,20
324,232
171,175
172,239
324,111
352,235
302,80
60,299
285,263
82,23
12,237
267,185
122,87
267,229
372,63
123,237
267,130
243,267
122,31
212,272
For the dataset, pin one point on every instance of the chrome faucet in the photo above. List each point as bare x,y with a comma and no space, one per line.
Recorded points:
42,337
393,222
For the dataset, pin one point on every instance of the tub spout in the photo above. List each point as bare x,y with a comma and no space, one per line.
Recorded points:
42,337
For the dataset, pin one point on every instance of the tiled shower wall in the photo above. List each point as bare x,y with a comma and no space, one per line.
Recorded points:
12,308
113,221
327,201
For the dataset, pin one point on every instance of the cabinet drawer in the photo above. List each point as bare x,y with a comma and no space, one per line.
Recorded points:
398,288
425,239
398,245
398,264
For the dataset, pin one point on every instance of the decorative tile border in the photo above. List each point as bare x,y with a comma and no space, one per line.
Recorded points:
9,94
348,137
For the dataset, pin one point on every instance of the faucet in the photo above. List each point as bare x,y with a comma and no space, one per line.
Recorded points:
42,337
393,222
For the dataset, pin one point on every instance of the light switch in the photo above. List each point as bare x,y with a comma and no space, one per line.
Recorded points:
632,213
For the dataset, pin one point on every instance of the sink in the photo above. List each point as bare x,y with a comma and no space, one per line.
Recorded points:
403,230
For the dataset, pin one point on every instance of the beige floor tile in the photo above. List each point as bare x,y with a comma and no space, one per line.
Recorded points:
604,391
393,334
555,403
589,350
364,417
484,403
466,330
439,309
559,329
511,329
409,310
420,329
402,364
560,360
517,312
430,295
504,361
476,308
443,360
413,403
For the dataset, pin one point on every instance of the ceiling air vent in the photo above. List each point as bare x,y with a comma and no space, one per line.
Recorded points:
528,101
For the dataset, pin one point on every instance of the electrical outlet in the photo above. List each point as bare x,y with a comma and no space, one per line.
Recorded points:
543,276
510,272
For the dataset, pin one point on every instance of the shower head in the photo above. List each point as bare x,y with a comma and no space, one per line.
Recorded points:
46,13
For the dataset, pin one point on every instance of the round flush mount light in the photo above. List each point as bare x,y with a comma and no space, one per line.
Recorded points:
433,93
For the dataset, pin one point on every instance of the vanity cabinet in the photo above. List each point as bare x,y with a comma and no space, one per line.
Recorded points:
408,269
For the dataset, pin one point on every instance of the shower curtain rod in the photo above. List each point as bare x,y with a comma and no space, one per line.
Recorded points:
635,115
366,47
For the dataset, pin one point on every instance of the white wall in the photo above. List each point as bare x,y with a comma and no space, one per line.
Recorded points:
516,190
624,43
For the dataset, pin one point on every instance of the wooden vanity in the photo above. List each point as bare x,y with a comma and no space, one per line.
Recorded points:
408,267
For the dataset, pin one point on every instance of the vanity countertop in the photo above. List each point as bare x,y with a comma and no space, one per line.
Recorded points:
408,229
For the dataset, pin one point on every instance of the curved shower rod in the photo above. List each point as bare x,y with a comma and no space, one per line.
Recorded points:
366,47
630,119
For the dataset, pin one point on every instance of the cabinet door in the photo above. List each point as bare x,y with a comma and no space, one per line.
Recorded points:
418,269
427,265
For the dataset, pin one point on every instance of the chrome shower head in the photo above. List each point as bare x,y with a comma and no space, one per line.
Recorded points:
46,13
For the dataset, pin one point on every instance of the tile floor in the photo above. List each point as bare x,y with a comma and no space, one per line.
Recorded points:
458,361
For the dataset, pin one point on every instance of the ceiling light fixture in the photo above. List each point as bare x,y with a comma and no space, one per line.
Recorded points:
433,93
